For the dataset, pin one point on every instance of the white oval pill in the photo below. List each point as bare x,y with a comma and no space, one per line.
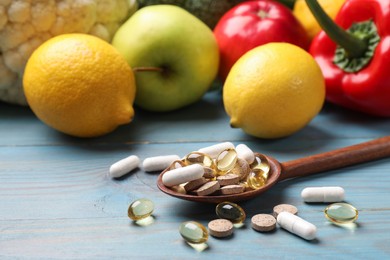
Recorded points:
214,150
158,163
323,194
182,175
124,166
244,152
297,225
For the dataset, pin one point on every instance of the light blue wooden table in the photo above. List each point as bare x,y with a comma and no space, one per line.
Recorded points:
58,202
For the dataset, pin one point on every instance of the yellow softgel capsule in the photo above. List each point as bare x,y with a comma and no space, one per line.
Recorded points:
193,232
255,180
199,158
261,164
176,164
226,160
140,209
341,213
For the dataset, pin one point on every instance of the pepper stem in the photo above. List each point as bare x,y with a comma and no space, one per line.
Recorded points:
353,46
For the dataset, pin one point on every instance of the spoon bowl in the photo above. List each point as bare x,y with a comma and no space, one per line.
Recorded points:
359,153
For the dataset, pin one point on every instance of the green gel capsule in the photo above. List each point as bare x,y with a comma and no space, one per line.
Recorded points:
230,211
341,213
193,232
140,209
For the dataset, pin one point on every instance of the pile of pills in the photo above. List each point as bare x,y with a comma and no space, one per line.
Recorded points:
284,215
220,169
226,169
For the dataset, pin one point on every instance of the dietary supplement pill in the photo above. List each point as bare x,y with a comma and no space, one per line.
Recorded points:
297,225
341,213
244,152
192,185
220,228
226,160
182,175
284,207
241,169
140,209
232,189
228,179
323,194
230,211
263,222
124,166
216,149
193,232
158,163
208,188
199,158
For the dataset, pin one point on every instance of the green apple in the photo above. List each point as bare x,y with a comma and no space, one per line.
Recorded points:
174,55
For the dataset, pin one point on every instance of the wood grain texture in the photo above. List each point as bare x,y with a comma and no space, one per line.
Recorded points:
58,202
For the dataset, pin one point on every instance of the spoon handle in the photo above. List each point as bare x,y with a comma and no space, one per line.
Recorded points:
359,153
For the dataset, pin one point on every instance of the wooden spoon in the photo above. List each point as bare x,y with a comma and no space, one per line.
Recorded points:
364,152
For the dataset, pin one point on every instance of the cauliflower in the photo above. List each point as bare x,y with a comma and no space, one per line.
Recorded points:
25,24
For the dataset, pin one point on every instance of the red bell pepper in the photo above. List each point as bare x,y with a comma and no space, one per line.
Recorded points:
356,62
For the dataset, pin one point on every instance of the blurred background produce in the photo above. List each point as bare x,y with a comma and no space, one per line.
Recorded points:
306,18
80,85
254,23
24,25
209,11
274,90
354,53
174,56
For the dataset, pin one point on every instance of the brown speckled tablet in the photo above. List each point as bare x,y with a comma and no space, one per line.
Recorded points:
192,185
241,168
220,227
208,188
228,179
284,207
232,189
208,173
263,222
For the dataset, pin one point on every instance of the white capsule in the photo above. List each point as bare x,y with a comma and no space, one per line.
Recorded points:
214,150
124,166
158,163
182,175
323,194
244,152
297,225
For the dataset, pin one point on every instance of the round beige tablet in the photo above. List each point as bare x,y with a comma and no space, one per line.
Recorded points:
263,222
220,227
285,207
208,188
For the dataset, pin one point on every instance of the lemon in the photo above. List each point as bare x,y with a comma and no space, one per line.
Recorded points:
274,90
79,85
